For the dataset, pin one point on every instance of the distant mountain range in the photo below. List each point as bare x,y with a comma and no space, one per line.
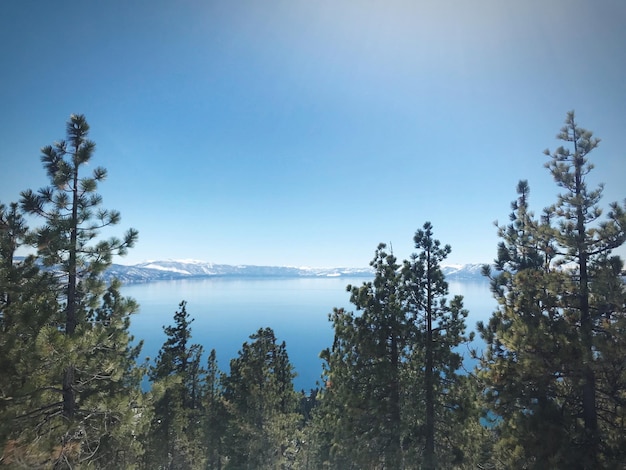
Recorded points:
191,269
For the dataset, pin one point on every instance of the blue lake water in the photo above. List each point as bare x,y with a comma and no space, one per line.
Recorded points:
227,311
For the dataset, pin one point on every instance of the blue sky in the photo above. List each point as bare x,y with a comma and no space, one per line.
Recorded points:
306,132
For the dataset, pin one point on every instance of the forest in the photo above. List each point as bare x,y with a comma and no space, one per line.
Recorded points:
548,391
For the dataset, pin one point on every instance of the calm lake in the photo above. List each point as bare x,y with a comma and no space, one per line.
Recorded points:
228,310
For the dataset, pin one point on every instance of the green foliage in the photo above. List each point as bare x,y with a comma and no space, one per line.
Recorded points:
215,412
107,420
27,301
72,219
440,329
176,432
392,383
73,396
364,370
550,371
551,384
261,403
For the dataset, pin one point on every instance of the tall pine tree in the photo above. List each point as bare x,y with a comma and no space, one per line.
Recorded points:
549,364
585,246
261,402
364,371
215,414
440,330
27,302
392,373
528,344
84,406
175,438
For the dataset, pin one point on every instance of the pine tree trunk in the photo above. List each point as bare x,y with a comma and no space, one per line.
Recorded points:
590,415
69,395
71,320
394,398
589,382
429,450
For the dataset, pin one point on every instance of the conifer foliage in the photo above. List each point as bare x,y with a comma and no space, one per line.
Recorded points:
27,302
204,418
80,405
393,373
549,390
177,377
365,369
550,368
262,405
440,330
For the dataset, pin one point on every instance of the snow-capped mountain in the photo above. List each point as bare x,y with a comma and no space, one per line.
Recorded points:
186,269
472,271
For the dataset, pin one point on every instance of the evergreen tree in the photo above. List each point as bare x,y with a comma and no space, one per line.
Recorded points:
364,371
587,247
81,405
440,329
392,372
549,365
176,434
215,414
528,345
21,281
263,423
27,302
13,230
70,209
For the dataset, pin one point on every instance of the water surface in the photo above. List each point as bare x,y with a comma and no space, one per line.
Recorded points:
228,310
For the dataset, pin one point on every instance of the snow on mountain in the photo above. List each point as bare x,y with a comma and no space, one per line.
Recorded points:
472,271
164,268
184,269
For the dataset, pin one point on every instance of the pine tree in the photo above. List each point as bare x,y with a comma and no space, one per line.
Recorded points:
27,302
528,344
20,281
587,247
262,404
392,372
176,436
364,372
67,207
549,364
440,330
215,414
13,230
82,404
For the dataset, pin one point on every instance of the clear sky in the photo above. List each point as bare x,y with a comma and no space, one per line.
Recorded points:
300,132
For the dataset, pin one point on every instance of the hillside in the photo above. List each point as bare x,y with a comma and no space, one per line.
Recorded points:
187,269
